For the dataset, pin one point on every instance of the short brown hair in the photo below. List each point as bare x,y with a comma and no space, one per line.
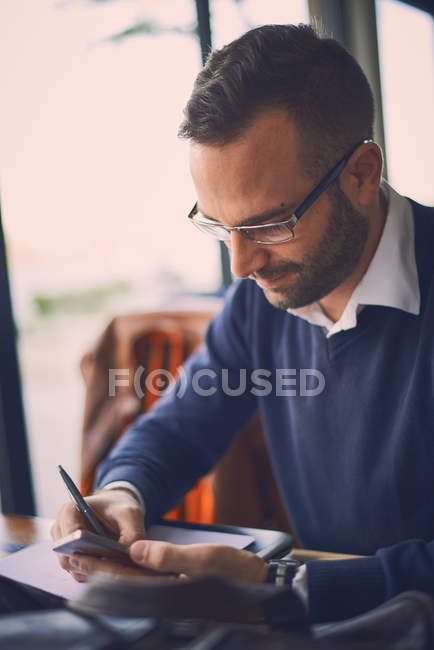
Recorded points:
315,79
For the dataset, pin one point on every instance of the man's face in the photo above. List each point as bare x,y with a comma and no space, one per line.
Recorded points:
259,173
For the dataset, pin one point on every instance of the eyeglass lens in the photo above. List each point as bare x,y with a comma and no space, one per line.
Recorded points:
269,234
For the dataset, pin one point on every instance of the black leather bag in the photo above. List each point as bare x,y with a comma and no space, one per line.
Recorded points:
208,613
406,621
204,598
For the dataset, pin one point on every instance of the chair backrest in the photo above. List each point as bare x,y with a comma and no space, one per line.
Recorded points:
117,371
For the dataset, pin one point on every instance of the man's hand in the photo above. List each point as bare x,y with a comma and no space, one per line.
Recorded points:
172,560
118,511
199,559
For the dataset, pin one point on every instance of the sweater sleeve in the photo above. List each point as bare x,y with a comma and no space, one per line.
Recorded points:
340,589
166,450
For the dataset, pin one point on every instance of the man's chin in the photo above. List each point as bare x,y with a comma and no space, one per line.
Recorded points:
278,298
294,298
286,294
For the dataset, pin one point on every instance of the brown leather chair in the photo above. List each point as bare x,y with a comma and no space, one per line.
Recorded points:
241,490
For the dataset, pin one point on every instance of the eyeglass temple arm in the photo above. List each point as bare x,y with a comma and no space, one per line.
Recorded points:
193,211
326,181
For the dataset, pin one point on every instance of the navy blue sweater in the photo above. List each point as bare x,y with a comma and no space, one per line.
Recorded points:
354,463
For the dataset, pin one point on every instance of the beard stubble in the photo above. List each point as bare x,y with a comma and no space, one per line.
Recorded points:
331,262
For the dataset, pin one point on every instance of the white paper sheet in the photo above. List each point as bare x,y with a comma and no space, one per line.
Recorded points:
37,565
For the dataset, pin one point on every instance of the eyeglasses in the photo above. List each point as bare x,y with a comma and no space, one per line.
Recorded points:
280,231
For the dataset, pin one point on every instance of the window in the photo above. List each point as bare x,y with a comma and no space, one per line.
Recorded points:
95,192
405,37
95,186
230,18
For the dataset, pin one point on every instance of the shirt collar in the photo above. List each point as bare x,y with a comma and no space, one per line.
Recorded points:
391,279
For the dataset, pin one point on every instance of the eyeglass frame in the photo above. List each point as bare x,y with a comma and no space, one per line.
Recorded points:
296,215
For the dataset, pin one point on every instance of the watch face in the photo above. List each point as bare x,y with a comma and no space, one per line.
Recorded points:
282,572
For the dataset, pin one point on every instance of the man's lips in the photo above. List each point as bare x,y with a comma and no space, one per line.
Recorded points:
269,283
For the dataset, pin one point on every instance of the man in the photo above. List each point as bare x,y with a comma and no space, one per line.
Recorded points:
331,325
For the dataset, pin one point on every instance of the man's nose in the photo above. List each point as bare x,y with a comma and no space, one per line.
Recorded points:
246,256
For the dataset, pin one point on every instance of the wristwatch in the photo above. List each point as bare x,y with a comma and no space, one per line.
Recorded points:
282,572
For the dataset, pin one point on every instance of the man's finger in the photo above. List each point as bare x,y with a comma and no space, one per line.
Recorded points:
171,558
79,577
68,519
122,515
131,526
85,565
63,561
53,530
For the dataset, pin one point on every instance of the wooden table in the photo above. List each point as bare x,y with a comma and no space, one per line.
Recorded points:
16,529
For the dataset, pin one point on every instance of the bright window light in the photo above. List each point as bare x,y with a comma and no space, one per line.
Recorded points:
406,41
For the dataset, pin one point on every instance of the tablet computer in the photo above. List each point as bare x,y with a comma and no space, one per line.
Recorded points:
265,543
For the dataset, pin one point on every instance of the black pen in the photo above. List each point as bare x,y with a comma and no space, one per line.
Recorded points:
81,504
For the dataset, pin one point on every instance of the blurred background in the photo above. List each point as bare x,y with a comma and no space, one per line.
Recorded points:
95,186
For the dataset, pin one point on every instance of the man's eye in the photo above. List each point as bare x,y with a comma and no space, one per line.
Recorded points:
273,227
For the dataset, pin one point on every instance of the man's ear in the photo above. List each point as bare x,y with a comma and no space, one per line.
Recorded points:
362,175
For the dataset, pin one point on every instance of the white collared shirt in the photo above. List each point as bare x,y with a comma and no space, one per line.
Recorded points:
391,279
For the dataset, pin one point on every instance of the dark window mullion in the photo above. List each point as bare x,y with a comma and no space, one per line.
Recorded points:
16,488
204,33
